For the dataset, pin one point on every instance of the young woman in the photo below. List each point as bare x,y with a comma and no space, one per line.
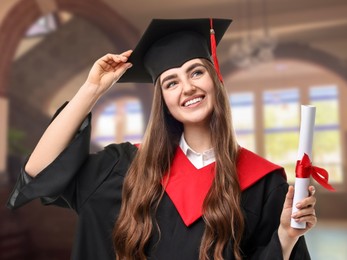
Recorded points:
188,191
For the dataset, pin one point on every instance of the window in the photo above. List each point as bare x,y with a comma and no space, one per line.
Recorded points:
106,126
134,122
44,25
281,131
326,145
242,105
266,102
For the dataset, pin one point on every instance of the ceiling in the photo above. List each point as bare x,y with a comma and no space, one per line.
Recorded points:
320,23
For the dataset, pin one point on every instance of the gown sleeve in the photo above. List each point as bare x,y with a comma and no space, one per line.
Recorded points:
52,180
263,241
61,182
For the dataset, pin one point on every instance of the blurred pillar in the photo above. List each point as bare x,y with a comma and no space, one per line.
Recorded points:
3,135
47,6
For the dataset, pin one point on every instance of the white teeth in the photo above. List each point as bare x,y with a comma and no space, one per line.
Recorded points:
193,101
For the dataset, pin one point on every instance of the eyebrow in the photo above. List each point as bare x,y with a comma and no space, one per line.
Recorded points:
174,75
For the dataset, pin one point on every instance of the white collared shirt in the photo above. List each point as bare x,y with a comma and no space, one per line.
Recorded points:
199,160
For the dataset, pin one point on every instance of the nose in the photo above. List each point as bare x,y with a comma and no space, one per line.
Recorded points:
188,87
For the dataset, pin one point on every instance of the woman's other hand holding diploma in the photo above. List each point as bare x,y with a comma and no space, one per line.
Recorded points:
288,236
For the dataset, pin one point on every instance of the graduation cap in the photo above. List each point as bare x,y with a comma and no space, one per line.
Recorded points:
169,43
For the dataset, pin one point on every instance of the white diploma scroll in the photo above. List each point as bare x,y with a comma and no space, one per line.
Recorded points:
308,114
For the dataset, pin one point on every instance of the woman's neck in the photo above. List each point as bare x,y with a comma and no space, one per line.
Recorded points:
198,138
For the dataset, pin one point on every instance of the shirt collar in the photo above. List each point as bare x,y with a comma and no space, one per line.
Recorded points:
208,154
184,146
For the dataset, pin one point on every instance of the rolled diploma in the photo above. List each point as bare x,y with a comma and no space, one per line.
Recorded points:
308,114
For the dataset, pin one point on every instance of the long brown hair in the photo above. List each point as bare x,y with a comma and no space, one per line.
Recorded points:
142,189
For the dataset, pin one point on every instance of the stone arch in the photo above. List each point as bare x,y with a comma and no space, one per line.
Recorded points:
305,53
18,17
25,12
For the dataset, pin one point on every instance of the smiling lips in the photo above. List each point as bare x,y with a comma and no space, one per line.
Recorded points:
192,101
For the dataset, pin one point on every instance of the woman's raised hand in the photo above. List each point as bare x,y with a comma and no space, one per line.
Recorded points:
107,70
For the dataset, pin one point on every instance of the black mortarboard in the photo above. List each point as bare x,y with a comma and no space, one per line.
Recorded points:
168,43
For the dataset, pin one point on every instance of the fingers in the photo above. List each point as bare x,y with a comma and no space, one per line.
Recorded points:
115,60
289,198
108,69
127,53
309,201
308,216
306,211
119,64
312,190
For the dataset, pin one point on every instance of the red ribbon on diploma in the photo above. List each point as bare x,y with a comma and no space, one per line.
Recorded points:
305,169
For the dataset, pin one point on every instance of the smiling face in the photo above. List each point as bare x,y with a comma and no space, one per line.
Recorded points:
188,92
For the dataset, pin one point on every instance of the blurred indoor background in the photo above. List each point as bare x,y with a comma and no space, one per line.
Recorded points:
276,56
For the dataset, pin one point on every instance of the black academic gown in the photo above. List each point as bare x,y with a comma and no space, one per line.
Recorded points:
91,184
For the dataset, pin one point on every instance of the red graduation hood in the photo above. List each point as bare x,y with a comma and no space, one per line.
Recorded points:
188,186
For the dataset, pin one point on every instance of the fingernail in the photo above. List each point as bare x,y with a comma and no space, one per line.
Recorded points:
298,205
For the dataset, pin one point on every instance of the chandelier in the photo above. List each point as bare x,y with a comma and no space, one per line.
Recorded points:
251,50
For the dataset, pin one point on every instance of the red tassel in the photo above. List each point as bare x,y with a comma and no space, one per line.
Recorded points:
214,50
